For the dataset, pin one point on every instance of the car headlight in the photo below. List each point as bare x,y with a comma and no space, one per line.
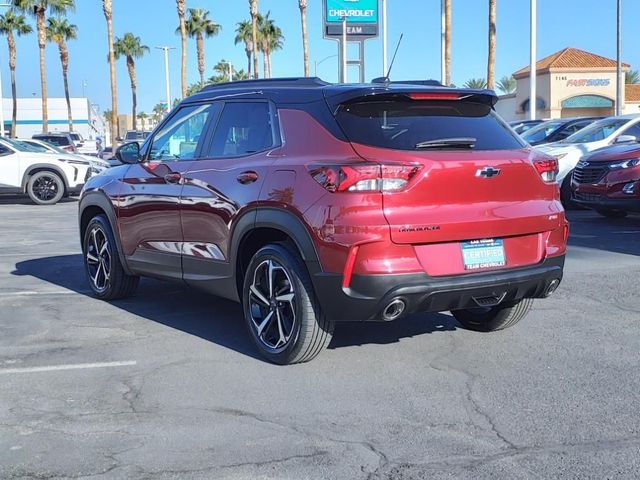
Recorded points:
74,162
625,164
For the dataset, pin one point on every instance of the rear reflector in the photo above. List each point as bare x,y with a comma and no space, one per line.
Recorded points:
434,96
547,168
364,177
348,267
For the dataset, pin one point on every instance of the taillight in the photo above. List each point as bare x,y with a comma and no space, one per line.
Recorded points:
547,168
434,96
364,177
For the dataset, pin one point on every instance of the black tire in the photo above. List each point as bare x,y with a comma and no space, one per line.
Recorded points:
493,318
566,195
609,213
45,188
112,283
298,321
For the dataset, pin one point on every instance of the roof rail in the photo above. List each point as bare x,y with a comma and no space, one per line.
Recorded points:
271,82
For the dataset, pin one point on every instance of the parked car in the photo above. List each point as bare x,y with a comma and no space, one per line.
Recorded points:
556,130
62,140
521,126
135,135
87,147
312,203
97,164
44,177
608,180
601,133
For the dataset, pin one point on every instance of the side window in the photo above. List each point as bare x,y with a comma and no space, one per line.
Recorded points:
635,131
180,137
4,151
244,128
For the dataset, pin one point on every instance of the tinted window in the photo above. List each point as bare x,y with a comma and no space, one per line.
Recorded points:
55,140
596,131
635,131
541,131
180,136
244,128
402,125
4,150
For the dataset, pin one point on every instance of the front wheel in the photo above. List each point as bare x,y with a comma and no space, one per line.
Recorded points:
566,194
45,188
281,311
490,319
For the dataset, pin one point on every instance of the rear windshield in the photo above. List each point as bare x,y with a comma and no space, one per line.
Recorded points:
54,140
416,125
541,131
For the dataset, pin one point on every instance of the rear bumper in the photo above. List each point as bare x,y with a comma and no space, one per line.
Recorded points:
368,295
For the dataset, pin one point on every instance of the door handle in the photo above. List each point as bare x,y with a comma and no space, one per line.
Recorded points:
173,177
247,177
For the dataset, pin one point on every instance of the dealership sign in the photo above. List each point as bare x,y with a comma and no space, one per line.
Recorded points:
589,82
361,17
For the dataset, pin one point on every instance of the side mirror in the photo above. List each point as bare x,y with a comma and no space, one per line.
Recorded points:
129,153
626,139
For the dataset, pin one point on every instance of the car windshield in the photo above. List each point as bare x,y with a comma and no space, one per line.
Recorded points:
49,147
20,146
597,130
541,131
433,124
75,136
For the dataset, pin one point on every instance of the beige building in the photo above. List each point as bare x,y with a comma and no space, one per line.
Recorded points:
570,83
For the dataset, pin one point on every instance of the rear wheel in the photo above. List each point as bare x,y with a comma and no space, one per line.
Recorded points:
566,195
490,319
45,188
107,278
281,311
610,213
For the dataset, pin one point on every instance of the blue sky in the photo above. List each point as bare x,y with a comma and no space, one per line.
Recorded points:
585,24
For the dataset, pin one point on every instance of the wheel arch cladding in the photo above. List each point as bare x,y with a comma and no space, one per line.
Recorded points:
43,167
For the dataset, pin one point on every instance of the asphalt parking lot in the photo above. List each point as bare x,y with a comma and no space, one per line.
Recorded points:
167,385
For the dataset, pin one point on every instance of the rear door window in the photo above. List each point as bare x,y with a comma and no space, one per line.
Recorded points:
244,128
410,124
59,141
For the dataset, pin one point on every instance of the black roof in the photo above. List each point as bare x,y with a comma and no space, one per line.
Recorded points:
309,89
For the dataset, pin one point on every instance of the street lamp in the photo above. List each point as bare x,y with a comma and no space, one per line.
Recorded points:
316,63
166,73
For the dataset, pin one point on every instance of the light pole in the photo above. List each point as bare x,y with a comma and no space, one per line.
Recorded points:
533,103
166,73
619,81
230,70
443,64
344,50
316,63
384,38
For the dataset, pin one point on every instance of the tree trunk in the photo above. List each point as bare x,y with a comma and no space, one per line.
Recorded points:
131,67
265,60
12,67
200,46
106,5
305,39
183,35
64,60
491,57
42,41
254,25
447,41
248,52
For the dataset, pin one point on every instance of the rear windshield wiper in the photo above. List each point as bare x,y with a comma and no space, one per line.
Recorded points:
457,142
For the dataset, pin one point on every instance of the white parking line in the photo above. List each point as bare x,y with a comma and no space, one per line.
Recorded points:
71,366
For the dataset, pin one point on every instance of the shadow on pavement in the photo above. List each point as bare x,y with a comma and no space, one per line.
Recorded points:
617,235
214,319
11,199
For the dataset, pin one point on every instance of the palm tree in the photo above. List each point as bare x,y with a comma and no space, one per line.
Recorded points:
269,39
181,5
38,8
244,33
253,9
60,31
143,116
10,23
302,4
447,41
491,57
108,15
507,85
131,47
158,112
632,76
198,25
477,83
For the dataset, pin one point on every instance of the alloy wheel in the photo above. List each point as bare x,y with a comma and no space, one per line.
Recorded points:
45,188
272,305
98,258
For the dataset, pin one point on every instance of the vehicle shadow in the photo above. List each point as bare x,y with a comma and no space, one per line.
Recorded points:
11,199
617,235
212,318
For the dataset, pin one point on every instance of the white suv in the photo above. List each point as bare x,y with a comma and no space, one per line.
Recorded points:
601,133
46,178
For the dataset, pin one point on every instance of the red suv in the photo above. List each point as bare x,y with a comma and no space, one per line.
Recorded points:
608,180
312,203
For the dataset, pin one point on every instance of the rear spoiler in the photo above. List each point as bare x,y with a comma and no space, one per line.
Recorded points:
415,92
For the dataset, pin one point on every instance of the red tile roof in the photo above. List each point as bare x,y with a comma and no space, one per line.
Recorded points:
632,92
570,58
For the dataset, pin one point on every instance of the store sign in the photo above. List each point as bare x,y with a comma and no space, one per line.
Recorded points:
361,17
589,82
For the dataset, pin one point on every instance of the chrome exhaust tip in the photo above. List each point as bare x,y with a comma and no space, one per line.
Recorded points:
555,283
394,309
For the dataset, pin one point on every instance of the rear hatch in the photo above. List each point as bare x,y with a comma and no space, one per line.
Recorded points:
475,179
